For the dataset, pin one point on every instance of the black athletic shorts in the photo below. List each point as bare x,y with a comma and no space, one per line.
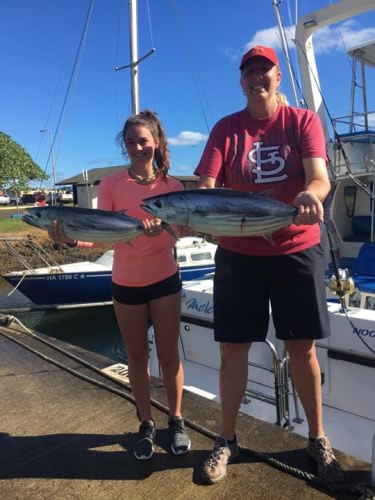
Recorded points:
244,285
134,295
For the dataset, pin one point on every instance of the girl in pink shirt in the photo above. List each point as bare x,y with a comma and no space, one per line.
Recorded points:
145,277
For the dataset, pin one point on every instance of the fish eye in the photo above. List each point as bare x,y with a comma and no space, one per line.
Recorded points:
158,204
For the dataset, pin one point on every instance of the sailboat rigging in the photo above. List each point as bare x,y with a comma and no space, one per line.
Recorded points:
134,61
285,48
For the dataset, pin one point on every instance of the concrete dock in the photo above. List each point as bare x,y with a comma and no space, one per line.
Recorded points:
67,432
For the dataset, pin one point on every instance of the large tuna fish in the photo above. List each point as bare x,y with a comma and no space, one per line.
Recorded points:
88,224
221,211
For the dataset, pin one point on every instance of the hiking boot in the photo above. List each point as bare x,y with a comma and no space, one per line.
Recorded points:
180,442
321,453
144,447
215,467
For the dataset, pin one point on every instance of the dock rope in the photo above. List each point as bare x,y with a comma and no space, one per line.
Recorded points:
366,491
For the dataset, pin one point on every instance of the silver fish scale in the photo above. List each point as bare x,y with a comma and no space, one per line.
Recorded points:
237,226
87,224
222,212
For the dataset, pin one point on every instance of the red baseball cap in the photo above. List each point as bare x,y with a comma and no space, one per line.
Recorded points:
259,51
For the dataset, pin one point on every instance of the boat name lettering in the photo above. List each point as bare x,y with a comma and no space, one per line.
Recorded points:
364,332
62,277
205,307
120,371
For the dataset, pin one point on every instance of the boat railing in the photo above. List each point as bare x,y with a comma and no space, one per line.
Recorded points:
358,156
358,144
11,243
281,373
348,120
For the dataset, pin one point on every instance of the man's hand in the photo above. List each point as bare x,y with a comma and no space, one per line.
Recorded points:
310,209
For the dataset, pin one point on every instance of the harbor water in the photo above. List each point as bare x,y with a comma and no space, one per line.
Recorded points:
94,329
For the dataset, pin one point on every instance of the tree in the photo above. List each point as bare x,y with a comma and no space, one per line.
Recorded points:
16,165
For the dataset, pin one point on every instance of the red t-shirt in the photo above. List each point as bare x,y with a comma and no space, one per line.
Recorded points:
265,155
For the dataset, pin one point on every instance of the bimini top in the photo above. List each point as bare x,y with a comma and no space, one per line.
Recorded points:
364,53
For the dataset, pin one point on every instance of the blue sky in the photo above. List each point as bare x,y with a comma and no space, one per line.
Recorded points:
191,80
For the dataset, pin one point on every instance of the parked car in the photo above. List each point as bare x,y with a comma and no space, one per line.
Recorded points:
15,200
4,199
28,198
66,196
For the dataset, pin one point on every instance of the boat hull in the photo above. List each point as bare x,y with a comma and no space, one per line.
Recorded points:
79,287
90,282
64,288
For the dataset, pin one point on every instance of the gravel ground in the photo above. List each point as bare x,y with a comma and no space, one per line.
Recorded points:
60,253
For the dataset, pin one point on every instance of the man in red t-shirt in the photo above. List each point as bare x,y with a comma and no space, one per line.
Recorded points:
270,146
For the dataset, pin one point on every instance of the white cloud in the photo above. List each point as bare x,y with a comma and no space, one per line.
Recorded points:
187,138
268,37
371,120
339,37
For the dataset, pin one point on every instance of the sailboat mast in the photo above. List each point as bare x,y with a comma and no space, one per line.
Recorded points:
134,61
284,45
133,17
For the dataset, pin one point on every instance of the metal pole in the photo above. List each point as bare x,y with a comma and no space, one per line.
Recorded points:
53,165
373,461
134,55
134,61
285,49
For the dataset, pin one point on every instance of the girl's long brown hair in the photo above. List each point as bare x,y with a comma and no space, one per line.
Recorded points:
151,121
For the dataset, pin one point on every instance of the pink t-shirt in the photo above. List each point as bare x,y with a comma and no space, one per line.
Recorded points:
265,155
145,260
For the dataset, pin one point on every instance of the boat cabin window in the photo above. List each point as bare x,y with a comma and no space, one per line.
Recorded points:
195,257
350,193
182,258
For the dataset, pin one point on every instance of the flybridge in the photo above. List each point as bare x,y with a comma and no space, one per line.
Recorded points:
305,29
350,141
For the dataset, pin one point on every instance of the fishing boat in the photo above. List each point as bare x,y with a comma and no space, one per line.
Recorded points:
90,282
347,357
349,138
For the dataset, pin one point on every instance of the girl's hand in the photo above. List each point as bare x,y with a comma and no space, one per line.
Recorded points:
56,233
152,227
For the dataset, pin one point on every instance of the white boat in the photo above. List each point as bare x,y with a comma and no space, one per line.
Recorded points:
90,282
347,358
347,361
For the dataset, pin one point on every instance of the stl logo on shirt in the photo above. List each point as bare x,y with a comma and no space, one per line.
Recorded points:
268,156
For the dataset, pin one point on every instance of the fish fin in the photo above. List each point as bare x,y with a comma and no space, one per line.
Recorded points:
269,239
169,230
266,192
